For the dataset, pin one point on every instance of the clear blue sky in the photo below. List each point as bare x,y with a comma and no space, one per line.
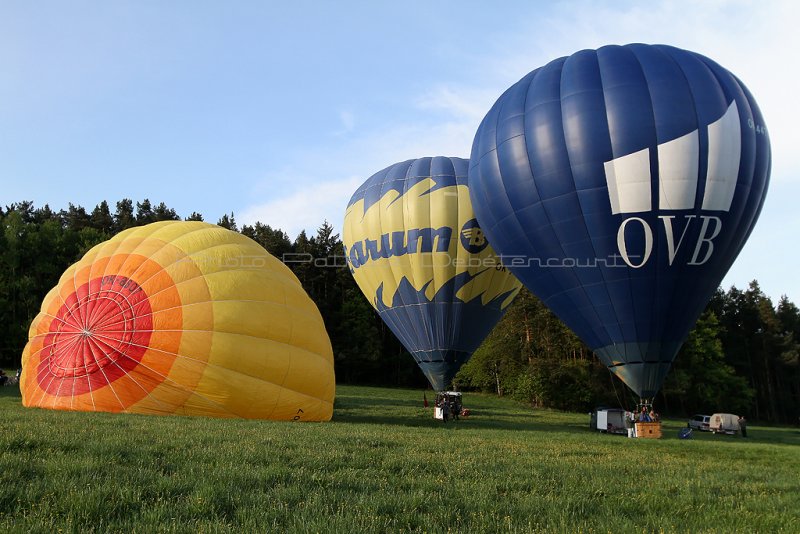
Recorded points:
277,111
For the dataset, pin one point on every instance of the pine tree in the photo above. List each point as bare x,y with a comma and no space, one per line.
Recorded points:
101,219
144,212
713,385
123,217
163,213
75,218
275,241
228,222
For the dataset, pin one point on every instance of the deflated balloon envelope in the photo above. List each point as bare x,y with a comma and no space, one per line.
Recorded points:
418,254
180,318
619,185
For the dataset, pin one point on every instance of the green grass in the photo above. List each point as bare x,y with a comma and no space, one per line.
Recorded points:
383,465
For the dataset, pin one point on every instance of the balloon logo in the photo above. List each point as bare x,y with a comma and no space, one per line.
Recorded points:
180,318
472,237
619,185
416,251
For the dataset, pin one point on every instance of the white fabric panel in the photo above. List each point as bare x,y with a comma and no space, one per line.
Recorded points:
677,172
628,179
724,154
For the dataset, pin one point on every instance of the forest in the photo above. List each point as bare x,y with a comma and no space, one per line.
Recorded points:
743,355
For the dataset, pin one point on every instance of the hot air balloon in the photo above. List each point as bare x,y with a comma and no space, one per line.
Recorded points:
180,318
418,254
619,185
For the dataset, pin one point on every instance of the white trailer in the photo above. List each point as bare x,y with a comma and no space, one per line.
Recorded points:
724,423
611,420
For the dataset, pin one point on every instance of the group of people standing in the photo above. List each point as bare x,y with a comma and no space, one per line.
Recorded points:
450,407
643,416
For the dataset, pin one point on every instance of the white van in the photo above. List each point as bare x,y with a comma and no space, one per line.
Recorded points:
724,423
700,422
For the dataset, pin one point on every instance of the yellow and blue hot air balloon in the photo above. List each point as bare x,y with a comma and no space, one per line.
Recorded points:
418,254
180,318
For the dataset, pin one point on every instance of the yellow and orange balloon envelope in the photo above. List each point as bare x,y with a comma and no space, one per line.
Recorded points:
180,318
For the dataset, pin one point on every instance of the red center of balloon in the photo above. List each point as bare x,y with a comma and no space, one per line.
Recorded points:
99,334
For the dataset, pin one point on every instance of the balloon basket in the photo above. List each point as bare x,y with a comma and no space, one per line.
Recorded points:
447,406
648,430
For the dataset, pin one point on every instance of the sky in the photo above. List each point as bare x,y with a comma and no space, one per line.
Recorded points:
277,111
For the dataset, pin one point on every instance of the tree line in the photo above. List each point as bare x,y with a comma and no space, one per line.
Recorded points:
743,356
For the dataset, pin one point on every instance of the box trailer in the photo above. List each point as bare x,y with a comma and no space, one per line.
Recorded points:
724,423
611,420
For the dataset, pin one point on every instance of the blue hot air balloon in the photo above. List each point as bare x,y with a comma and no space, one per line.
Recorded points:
619,185
418,254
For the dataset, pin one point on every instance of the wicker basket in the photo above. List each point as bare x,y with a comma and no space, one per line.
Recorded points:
648,430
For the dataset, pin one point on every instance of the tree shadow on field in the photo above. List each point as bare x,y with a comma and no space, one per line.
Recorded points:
410,413
10,392
480,421
349,401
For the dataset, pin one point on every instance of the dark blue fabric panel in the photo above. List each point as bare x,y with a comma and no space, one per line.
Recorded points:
761,172
427,326
419,168
401,176
585,125
440,367
594,201
631,126
544,139
671,98
520,190
588,145
744,207
709,103
628,107
511,123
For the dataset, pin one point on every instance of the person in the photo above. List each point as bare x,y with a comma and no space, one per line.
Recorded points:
3,378
445,410
643,417
630,424
743,426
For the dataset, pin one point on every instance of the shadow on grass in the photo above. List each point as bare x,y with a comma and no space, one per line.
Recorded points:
385,410
10,392
410,413
480,421
344,401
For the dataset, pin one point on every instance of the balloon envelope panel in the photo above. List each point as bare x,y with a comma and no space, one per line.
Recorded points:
619,185
418,254
180,318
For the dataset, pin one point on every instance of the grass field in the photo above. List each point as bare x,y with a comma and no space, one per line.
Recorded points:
383,465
